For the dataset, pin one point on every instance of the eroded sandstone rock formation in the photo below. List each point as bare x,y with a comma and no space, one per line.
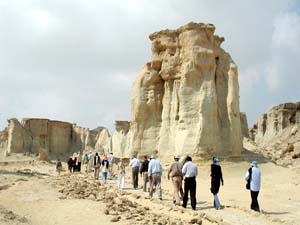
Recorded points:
186,99
277,132
56,137
244,125
121,139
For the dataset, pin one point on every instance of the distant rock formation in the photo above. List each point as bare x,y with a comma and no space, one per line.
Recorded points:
41,135
277,132
3,138
121,139
186,99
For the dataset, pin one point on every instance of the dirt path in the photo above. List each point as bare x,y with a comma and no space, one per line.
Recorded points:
44,198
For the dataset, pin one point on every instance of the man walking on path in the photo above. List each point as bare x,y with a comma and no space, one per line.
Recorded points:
135,165
144,172
96,164
253,176
175,172
216,179
190,172
154,174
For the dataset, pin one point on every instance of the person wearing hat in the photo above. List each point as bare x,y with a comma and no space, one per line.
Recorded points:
216,179
175,172
135,165
253,177
154,174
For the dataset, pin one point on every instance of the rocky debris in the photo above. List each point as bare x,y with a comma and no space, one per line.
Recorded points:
78,187
118,205
186,99
9,217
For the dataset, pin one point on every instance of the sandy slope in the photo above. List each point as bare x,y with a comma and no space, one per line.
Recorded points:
35,196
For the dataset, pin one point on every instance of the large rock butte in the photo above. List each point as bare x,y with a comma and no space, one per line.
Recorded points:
186,99
56,137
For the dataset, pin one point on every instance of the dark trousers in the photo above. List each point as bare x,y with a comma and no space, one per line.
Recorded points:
79,166
254,202
135,177
189,186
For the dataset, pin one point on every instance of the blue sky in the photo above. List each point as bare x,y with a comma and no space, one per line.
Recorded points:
75,60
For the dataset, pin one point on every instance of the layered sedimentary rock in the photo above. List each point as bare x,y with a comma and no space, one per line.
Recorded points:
186,99
277,132
121,139
56,137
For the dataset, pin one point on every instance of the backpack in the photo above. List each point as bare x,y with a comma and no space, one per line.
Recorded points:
249,180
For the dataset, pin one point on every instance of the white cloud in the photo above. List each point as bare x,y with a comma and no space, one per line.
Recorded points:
287,31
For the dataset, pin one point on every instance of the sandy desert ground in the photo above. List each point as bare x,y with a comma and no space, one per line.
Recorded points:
32,193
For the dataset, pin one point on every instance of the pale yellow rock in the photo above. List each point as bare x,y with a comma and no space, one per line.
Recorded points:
186,100
121,139
56,137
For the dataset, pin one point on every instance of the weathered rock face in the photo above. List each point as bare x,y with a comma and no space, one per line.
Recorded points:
244,125
3,138
277,132
186,100
121,139
56,137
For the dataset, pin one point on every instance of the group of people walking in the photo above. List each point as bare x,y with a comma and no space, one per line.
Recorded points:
74,162
92,163
186,171
151,172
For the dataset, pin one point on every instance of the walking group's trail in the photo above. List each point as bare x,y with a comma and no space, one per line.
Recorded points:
37,196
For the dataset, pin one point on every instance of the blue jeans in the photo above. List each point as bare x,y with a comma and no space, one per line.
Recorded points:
104,177
217,203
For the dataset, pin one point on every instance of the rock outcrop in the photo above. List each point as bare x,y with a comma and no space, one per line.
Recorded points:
277,132
121,139
55,137
244,125
3,138
186,99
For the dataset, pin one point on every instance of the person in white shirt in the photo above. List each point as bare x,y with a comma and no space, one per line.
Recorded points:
121,178
135,165
190,172
111,163
253,176
154,174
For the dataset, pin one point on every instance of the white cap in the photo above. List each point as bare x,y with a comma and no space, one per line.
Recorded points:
177,157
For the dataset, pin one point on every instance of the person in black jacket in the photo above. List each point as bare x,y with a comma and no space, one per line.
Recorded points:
216,179
70,164
144,172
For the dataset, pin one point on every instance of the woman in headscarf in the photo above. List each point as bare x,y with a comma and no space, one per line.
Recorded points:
216,179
